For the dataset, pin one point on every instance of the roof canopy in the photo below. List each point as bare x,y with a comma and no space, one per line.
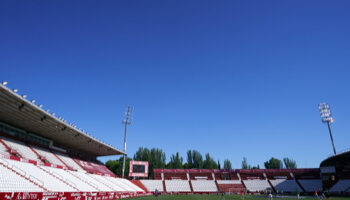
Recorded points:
17,111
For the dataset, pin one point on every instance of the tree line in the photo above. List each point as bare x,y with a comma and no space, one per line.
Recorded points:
194,160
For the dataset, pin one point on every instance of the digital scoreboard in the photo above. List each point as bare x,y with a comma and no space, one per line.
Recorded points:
138,168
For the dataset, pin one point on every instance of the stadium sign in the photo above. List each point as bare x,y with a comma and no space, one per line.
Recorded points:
138,168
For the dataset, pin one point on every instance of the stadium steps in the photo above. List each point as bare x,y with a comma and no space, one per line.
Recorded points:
78,163
191,186
60,178
245,187
139,184
44,160
60,160
5,145
296,180
108,183
102,182
92,185
273,188
164,187
217,185
24,177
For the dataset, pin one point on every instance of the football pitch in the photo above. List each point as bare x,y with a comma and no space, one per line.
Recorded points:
229,197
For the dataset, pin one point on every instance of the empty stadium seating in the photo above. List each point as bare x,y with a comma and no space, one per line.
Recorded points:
10,181
152,185
22,148
47,180
47,154
69,161
341,186
177,186
204,186
310,185
234,186
285,185
257,185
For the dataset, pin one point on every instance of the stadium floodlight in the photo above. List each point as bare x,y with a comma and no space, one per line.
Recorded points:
15,90
24,96
53,114
4,83
326,116
40,105
126,122
33,101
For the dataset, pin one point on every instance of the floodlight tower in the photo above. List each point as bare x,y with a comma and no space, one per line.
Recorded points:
326,117
126,122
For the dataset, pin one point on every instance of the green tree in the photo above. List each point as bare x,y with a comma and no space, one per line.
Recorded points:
116,166
273,163
255,167
156,158
175,162
194,159
245,164
289,163
227,164
209,162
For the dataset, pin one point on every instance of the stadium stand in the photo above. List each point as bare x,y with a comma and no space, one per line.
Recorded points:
204,186
256,185
230,186
341,186
177,186
44,157
152,185
285,185
311,185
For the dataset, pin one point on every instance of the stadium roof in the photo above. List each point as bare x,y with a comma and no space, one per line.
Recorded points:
338,160
17,111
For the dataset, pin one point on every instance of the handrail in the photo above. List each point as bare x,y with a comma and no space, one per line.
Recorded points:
93,184
56,174
4,162
37,180
18,169
70,182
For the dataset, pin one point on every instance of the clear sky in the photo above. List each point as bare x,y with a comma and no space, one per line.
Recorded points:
233,78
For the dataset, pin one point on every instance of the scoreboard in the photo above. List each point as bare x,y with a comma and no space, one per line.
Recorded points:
138,168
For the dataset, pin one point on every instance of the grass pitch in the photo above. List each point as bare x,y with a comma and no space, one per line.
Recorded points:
229,197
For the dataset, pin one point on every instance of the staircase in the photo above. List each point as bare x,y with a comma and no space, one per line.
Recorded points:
139,184
300,185
83,180
192,186
38,155
60,160
164,187
26,178
59,178
273,188
112,189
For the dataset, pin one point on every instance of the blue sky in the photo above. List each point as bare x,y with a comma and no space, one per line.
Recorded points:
232,78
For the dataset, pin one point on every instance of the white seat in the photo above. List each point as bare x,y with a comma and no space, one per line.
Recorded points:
152,185
12,182
256,185
177,186
285,185
311,184
204,186
341,186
